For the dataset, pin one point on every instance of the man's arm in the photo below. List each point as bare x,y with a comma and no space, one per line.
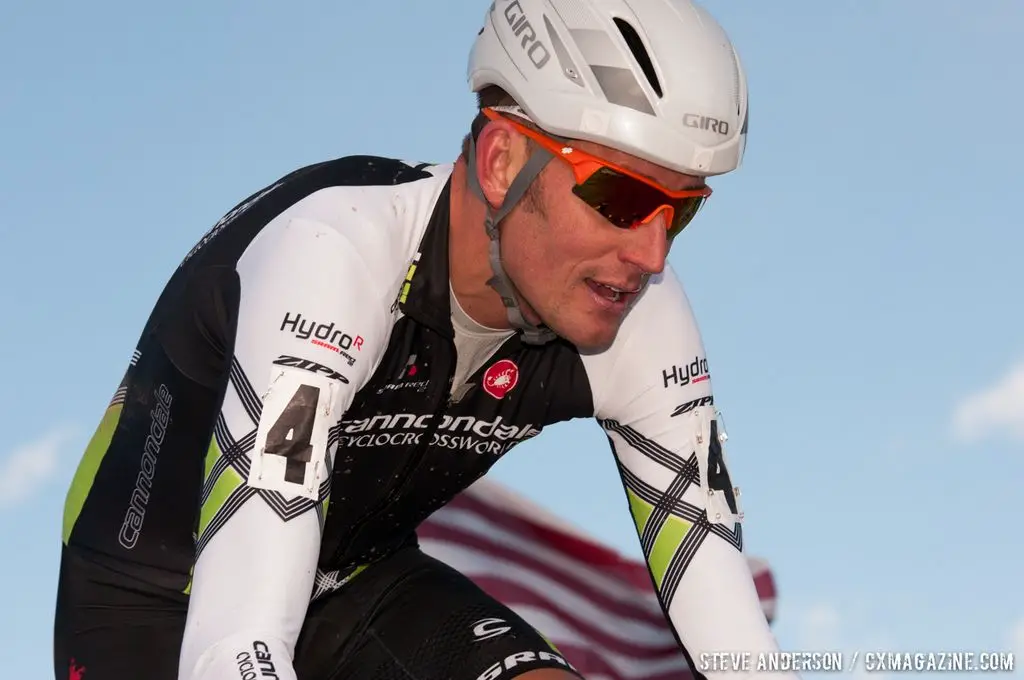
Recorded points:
654,400
311,328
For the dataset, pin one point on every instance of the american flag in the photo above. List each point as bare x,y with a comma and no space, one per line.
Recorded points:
597,606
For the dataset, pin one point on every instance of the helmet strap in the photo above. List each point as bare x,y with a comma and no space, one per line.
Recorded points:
500,282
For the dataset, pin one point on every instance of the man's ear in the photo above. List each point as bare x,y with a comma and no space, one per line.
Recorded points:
500,155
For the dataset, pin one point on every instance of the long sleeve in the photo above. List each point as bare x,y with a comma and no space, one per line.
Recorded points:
653,397
308,334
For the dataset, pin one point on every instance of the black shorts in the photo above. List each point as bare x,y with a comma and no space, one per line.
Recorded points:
408,617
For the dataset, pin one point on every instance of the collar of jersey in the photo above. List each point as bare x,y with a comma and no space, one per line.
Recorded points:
427,300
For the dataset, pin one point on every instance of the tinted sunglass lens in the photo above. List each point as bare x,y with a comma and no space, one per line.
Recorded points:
683,212
622,200
625,201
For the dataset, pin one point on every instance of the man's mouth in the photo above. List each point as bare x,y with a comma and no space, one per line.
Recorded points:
612,292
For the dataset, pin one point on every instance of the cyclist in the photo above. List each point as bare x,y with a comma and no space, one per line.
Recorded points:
351,346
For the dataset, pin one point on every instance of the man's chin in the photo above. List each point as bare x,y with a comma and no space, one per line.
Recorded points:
588,336
589,340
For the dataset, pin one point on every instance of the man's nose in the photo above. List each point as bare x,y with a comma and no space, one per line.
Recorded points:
647,245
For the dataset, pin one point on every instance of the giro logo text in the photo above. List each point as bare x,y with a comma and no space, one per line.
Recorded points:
694,372
690,405
522,28
322,335
706,123
311,366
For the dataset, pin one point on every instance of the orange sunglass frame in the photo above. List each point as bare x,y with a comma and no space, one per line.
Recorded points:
584,165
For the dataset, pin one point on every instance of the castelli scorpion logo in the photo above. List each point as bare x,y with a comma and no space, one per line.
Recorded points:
500,378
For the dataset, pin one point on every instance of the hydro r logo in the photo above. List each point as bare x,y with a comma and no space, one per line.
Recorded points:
322,335
694,372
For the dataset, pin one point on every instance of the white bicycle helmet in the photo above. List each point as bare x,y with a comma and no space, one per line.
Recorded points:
658,79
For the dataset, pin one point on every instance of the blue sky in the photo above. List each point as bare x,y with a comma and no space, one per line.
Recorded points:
857,281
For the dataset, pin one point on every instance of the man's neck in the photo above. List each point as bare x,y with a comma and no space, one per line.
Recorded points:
469,256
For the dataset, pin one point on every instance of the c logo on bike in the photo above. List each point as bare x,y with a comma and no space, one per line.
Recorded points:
500,378
485,629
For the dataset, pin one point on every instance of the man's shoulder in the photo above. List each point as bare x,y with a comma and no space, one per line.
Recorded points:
376,203
368,198
382,189
363,170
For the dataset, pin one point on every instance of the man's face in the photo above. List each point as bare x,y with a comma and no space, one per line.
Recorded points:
567,260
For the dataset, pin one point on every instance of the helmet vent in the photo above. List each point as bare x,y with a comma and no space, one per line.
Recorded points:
636,46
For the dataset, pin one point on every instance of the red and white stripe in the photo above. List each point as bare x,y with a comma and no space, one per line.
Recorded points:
598,607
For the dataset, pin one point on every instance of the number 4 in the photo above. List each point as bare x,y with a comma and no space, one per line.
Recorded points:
718,475
291,434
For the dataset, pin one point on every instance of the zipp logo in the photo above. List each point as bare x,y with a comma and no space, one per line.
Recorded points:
521,27
311,366
485,629
695,120
690,405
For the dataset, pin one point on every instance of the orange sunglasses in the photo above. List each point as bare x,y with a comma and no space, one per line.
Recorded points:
624,198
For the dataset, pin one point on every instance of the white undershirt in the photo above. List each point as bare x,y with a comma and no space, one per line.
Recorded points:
474,343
